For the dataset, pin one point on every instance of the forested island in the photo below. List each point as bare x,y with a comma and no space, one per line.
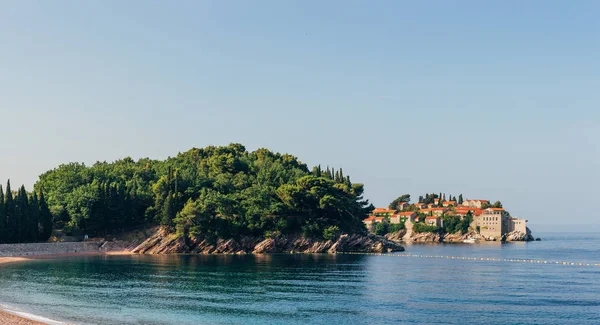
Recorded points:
206,195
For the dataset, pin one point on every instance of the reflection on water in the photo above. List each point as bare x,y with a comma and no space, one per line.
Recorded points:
314,289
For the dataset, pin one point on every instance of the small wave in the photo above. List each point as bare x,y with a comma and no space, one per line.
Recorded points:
30,316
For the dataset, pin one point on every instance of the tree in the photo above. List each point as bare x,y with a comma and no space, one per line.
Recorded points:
497,204
34,218
3,233
11,215
403,198
169,212
460,199
22,222
45,218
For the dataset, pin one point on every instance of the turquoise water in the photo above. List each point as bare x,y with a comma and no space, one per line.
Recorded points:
318,289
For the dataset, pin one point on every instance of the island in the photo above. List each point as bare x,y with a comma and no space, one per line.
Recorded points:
218,199
441,218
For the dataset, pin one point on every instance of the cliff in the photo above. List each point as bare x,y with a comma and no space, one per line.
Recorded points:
162,242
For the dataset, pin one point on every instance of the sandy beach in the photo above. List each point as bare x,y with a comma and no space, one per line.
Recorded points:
10,319
7,318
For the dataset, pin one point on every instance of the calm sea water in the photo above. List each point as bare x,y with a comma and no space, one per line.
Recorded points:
318,289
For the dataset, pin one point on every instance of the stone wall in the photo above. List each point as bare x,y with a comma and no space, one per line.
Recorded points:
48,248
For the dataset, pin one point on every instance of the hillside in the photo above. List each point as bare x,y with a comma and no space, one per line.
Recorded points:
214,193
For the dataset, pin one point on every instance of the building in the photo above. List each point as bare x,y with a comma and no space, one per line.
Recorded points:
383,212
475,203
371,220
434,221
434,211
515,224
449,203
492,223
402,217
420,205
403,205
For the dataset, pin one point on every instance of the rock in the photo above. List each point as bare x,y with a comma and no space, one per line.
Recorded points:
519,236
161,242
538,239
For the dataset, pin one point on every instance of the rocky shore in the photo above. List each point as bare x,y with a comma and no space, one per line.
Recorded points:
429,237
163,242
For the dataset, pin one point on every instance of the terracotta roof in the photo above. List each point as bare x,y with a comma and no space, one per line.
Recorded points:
496,209
383,210
406,213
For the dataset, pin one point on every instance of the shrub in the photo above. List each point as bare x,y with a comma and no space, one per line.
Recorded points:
381,228
395,227
421,227
331,233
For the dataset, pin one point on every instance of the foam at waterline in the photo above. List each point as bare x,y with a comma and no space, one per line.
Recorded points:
14,311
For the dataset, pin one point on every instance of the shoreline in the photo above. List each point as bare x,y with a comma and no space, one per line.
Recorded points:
16,259
13,317
9,318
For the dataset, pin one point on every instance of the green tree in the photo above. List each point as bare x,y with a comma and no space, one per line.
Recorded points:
403,198
34,218
497,204
3,233
45,218
11,215
22,216
460,199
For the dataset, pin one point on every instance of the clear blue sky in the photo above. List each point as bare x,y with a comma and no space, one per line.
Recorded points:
497,100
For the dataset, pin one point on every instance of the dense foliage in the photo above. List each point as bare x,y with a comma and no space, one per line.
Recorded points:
383,228
420,227
216,191
24,217
454,224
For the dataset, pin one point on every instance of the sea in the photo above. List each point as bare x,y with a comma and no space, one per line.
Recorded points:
553,281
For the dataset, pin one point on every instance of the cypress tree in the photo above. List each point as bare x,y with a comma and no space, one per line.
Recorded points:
168,212
2,218
34,217
45,218
22,216
460,199
11,215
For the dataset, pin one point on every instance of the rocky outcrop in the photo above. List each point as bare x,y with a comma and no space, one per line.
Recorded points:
519,236
162,242
459,237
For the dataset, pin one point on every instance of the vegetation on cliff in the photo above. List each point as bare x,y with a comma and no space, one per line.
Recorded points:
221,192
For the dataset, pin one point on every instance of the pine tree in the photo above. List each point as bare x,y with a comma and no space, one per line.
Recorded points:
3,233
34,218
45,219
11,215
341,176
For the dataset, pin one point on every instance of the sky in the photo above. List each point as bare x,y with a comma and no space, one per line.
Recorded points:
496,100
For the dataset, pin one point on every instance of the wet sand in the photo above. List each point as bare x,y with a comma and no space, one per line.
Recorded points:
10,319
